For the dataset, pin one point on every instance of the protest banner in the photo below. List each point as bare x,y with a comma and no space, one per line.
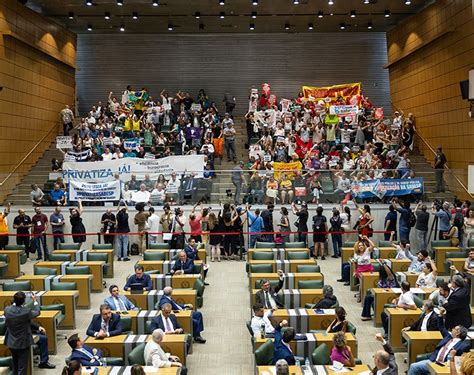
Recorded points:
253,100
77,155
196,107
290,167
64,142
133,144
105,171
331,93
285,105
378,113
387,188
266,118
90,192
345,112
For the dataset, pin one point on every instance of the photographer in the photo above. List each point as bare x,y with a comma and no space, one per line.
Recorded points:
441,211
177,228
302,222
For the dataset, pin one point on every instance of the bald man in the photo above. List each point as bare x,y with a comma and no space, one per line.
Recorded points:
22,224
183,265
155,356
384,360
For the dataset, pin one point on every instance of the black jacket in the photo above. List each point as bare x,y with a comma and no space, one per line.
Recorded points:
432,324
458,310
260,297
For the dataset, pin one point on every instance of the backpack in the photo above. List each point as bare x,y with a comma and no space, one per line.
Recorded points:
134,249
319,223
458,220
411,219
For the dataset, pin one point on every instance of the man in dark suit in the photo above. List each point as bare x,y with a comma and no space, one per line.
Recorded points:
268,296
456,340
167,321
42,343
83,353
198,323
384,360
105,324
140,277
458,310
183,265
281,343
191,250
18,337
428,321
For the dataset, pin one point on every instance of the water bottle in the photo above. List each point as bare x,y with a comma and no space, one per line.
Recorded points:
104,362
262,331
306,363
297,362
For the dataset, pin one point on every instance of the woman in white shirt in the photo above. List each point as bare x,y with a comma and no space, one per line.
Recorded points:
427,277
155,356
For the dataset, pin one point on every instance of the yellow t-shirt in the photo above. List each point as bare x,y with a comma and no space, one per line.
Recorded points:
136,126
3,224
128,125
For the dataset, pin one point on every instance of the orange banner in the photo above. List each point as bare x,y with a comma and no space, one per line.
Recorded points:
331,92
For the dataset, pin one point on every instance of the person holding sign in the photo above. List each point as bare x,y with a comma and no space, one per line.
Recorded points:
67,119
78,230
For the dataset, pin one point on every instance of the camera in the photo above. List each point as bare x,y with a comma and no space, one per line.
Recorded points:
437,204
177,211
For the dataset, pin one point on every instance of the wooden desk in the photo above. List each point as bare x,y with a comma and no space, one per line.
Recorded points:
13,260
97,270
456,262
59,266
290,280
122,345
304,320
297,370
436,369
353,284
295,298
421,342
163,266
440,257
398,319
110,259
368,280
411,277
109,370
278,254
387,252
304,348
140,317
147,300
398,265
346,254
286,266
43,282
176,281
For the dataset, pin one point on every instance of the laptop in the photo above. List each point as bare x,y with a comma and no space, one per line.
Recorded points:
136,288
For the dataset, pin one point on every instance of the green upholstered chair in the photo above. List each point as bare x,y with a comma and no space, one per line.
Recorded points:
56,307
99,257
78,270
197,268
69,246
261,268
199,287
23,257
418,301
59,257
264,354
154,255
262,255
351,328
45,271
137,355
152,272
273,283
126,325
439,243
376,267
17,286
383,243
453,254
4,268
265,245
470,243
56,285
310,284
102,246
321,356
295,245
7,362
349,244
294,255
3,327
248,324
158,246
303,268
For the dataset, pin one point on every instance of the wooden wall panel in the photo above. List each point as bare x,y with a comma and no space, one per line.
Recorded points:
38,79
426,80
220,62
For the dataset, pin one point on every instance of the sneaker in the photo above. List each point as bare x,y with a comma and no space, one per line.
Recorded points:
341,280
200,340
119,259
126,259
347,284
46,365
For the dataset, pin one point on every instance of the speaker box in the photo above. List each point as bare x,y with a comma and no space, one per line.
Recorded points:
464,89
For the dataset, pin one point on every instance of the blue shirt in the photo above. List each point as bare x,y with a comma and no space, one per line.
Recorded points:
145,280
392,216
57,195
404,216
57,218
444,218
256,223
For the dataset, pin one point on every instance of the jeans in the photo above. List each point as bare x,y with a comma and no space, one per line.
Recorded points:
122,246
439,180
421,238
302,237
336,243
385,322
238,189
43,348
368,304
346,272
404,233
57,240
40,240
420,367
253,240
230,149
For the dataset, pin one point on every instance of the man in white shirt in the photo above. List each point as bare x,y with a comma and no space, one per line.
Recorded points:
67,118
318,134
141,195
172,188
155,356
260,319
107,155
153,224
405,301
428,321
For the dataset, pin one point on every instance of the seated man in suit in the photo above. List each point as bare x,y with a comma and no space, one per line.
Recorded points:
166,321
261,318
183,265
42,343
268,296
83,353
384,360
198,323
105,324
155,356
428,321
118,302
140,277
281,343
456,340
191,250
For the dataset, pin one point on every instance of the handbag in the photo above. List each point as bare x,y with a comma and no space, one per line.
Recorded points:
169,236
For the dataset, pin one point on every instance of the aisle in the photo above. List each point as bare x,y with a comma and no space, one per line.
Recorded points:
228,350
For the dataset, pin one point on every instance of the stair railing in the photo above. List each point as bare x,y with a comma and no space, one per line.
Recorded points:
450,171
53,128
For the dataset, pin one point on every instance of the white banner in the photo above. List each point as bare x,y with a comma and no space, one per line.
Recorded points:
196,107
253,100
64,142
104,171
285,105
105,191
343,110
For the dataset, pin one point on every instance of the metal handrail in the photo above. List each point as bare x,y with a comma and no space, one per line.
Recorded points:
445,165
28,154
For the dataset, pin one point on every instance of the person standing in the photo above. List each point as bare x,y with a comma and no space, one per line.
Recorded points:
390,224
267,216
229,102
320,233
336,236
22,224
421,225
166,221
122,232
18,337
4,227
439,163
108,221
302,222
57,227
284,226
404,222
78,229
40,227
237,180
255,225
140,220
153,225
229,142
67,119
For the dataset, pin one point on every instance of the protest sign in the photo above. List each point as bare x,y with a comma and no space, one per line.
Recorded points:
90,192
331,93
64,142
387,188
290,167
196,107
285,105
253,100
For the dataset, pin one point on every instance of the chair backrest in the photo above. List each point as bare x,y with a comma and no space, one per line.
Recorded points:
273,283
14,247
17,286
59,257
97,257
470,243
154,255
199,287
57,285
152,272
248,324
126,324
321,356
440,243
159,246
264,354
261,268
310,284
69,246
57,306
351,328
137,355
383,243
3,258
307,268
292,255
262,255
45,271
418,301
295,245
78,270
148,327
265,245
456,254
197,268
3,327
102,246
349,244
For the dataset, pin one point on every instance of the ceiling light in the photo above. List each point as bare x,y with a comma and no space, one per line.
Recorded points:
366,1
71,15
197,15
89,3
296,2
287,26
89,27
222,15
254,2
342,26
254,15
369,25
221,2
353,13
119,3
155,3
252,26
387,13
170,27
330,2
320,14
407,2
201,26
310,26
122,27
107,15
135,15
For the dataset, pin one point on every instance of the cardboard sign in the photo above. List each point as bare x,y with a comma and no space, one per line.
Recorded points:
64,142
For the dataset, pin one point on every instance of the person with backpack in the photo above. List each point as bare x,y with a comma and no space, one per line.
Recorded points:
336,235
319,233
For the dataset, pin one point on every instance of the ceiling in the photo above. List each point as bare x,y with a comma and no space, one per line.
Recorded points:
271,15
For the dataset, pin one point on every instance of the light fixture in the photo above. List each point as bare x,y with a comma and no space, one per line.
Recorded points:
119,3
296,2
155,3
89,27
254,15
407,2
330,2
366,1
353,13
252,27
71,15
254,2
122,27
170,27
135,15
222,15
107,15
201,26
287,26
320,14
89,3
310,26
342,26
387,13
197,15
221,2
369,25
